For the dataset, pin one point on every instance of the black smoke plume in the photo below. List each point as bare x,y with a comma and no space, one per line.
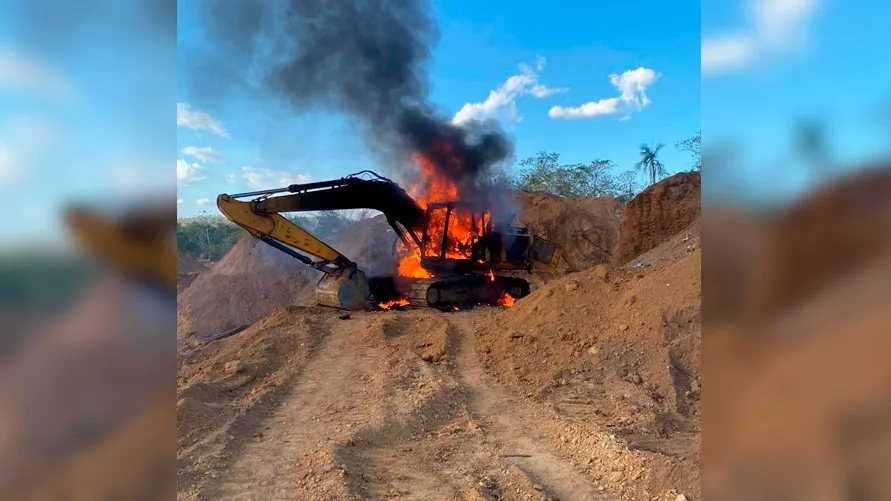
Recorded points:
367,58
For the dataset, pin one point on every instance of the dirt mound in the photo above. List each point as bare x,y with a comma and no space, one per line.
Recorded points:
369,243
243,287
585,227
187,269
625,342
219,382
186,264
823,237
657,213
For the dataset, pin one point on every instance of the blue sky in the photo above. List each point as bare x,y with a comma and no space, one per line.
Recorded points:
89,114
82,118
558,60
767,65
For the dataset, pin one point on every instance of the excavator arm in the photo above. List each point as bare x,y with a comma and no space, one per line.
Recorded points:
277,231
344,286
262,217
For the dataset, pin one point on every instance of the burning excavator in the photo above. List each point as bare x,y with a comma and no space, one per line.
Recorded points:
453,254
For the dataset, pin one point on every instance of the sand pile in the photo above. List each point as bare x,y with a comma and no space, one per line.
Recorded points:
657,213
824,236
586,228
186,264
625,342
187,269
369,243
217,383
244,286
605,333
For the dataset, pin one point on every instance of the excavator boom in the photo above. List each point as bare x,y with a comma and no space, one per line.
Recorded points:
344,285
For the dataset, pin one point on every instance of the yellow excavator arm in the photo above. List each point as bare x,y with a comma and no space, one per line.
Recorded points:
141,244
343,285
277,228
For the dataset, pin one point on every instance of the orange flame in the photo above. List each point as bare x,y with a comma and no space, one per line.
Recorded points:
390,304
410,266
506,300
463,229
490,276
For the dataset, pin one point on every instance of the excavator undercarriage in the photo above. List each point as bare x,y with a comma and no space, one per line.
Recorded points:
463,258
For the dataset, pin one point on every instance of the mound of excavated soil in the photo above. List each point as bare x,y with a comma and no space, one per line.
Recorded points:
824,236
187,268
369,243
186,264
624,342
734,239
657,213
585,227
244,286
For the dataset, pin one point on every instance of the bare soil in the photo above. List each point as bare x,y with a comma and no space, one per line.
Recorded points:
657,213
369,243
243,287
187,270
586,228
823,237
426,405
586,389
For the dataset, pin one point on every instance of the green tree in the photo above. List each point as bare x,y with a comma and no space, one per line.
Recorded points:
627,186
203,239
692,145
649,161
544,173
540,172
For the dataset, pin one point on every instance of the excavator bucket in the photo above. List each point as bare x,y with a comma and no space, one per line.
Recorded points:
346,290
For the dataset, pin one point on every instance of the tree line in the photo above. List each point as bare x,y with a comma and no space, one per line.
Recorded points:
211,239
543,172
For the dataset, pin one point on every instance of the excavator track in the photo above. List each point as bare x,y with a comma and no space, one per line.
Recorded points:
464,291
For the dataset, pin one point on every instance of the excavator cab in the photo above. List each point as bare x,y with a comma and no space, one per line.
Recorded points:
460,236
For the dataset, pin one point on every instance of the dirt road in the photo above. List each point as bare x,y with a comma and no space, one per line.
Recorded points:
395,406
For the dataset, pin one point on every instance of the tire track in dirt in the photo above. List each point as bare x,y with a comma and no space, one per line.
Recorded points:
398,459
366,418
451,446
289,455
513,426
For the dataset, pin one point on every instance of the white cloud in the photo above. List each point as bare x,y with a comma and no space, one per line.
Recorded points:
22,73
587,110
195,119
773,28
202,202
501,102
189,172
260,178
205,154
230,178
632,86
179,201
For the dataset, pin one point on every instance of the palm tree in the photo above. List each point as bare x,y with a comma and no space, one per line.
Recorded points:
649,161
